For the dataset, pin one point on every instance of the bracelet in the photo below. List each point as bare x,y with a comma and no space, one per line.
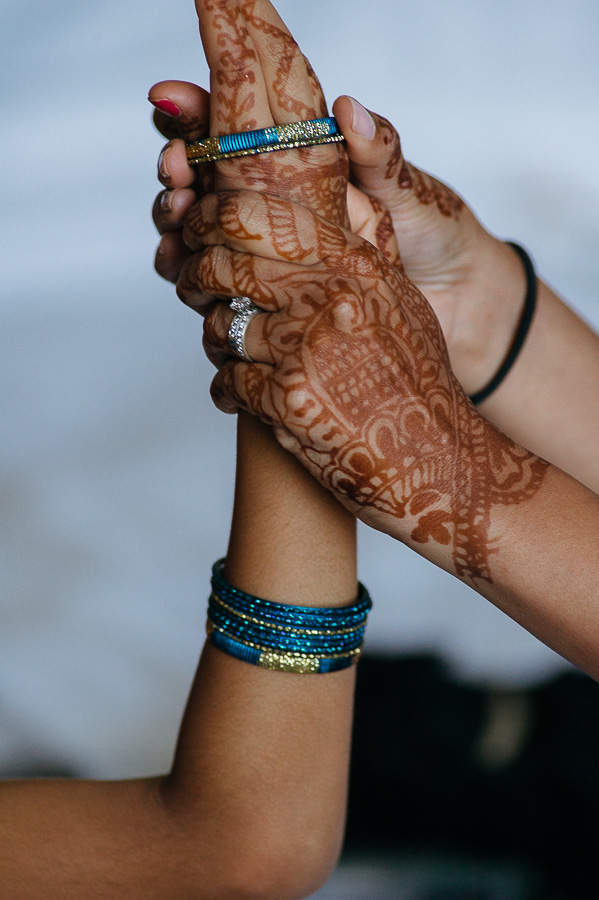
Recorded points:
282,637
522,330
308,133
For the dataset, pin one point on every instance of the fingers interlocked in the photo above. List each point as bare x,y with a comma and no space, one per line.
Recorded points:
273,252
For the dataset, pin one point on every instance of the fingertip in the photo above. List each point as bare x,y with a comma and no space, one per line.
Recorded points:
182,109
354,118
166,106
174,170
170,256
220,397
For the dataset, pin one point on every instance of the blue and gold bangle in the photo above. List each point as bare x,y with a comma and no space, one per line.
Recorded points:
264,140
282,637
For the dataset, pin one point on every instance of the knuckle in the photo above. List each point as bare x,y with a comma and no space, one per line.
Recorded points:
238,213
282,48
188,287
238,59
212,269
300,401
214,327
199,222
345,314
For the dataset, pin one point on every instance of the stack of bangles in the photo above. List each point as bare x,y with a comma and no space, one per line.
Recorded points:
282,637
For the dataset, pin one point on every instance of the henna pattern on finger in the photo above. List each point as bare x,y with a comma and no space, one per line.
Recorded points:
426,189
235,73
314,176
288,56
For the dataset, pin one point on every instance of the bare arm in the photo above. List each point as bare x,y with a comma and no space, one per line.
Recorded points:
549,400
254,804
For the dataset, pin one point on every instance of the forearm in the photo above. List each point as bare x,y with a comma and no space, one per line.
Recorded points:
291,541
549,400
278,750
546,567
254,805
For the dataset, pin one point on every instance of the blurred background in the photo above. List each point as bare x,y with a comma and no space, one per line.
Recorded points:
116,472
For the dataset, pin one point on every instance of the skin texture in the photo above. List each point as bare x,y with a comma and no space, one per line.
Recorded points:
359,385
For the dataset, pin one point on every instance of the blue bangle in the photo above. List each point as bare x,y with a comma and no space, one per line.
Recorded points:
278,661
277,639
296,617
281,636
307,133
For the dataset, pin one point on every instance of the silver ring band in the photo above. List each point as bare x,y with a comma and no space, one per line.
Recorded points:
244,311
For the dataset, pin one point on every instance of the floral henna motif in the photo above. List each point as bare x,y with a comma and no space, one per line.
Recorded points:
288,55
363,384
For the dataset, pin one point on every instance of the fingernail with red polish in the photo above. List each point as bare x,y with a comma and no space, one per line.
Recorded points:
166,106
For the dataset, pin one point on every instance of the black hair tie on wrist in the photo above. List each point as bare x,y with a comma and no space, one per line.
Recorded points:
522,330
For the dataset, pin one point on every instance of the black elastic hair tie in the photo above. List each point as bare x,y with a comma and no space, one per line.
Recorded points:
522,330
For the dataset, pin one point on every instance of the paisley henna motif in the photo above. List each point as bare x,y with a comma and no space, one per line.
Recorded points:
363,387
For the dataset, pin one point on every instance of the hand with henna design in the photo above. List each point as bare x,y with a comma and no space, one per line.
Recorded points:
353,373
473,280
357,381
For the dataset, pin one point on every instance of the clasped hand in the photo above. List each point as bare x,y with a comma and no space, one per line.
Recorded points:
350,366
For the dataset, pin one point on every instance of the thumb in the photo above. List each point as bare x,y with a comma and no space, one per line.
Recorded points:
414,198
378,166
374,149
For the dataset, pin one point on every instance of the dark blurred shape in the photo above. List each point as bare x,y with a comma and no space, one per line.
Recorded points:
440,767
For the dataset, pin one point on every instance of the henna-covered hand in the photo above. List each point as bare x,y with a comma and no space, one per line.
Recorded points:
259,77
353,373
474,281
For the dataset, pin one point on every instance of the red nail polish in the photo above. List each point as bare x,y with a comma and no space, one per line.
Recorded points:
166,106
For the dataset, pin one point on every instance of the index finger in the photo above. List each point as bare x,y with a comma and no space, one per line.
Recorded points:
293,90
239,100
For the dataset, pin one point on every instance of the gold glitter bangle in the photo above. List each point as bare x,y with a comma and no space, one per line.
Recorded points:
264,140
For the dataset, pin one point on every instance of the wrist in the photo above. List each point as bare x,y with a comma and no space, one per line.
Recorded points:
449,513
491,307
